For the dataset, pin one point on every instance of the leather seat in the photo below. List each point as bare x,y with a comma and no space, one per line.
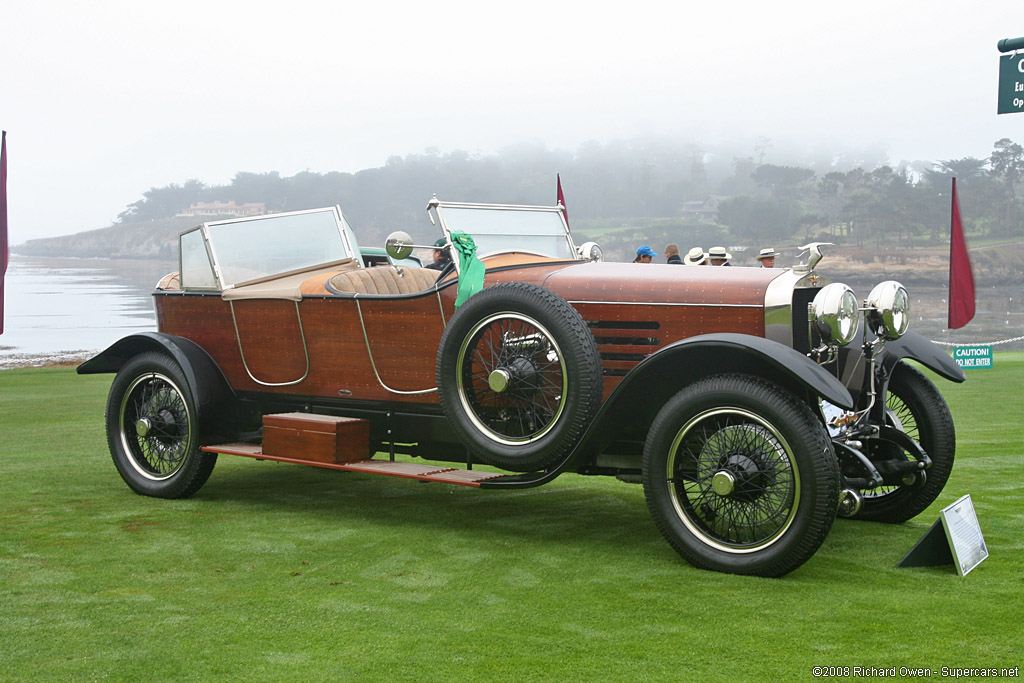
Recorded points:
384,280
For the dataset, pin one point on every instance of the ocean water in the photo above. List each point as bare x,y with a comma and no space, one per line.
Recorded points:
55,307
69,308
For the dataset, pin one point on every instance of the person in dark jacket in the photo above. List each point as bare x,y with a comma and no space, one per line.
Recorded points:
672,254
442,255
719,256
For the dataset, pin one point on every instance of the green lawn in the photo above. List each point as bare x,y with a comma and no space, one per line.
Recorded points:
283,572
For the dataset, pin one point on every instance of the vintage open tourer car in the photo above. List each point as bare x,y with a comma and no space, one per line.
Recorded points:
751,403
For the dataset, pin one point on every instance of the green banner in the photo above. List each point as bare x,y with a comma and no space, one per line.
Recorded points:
973,357
1011,83
471,269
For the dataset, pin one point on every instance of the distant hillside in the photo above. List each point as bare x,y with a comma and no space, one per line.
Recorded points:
994,263
155,239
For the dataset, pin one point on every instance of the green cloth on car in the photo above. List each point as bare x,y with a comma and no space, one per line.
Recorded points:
471,269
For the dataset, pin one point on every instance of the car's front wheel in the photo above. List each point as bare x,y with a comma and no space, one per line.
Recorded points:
740,476
152,429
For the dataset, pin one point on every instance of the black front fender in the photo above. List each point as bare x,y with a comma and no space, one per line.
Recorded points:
913,345
725,352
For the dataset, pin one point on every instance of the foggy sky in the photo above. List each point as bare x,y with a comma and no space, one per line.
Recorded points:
103,100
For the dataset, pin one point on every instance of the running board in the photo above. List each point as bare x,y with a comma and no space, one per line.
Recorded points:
405,470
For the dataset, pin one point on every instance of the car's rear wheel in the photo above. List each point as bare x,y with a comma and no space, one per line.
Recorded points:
915,406
519,376
152,429
740,476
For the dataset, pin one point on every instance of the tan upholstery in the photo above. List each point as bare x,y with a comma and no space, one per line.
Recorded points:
170,281
385,280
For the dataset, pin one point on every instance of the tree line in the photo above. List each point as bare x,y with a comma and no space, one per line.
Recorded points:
645,184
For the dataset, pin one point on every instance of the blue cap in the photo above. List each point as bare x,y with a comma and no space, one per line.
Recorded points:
645,251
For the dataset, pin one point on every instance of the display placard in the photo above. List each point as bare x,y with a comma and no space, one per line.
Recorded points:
964,535
955,539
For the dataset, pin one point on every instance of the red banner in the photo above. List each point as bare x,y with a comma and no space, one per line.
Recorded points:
3,223
961,277
561,199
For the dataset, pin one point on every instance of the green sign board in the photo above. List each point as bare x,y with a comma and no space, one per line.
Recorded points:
1011,83
973,357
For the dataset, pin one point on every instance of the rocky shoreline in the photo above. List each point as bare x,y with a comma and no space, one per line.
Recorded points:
41,360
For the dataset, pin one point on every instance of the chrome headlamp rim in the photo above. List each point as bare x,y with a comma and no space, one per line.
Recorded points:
888,310
836,314
591,251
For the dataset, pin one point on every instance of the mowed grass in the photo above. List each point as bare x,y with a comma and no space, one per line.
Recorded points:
284,572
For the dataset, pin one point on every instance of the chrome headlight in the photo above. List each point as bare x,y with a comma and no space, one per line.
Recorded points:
835,314
889,310
591,251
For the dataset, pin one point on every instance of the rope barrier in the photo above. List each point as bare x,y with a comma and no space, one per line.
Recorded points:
995,343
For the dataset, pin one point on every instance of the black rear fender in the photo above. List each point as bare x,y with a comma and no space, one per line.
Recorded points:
213,396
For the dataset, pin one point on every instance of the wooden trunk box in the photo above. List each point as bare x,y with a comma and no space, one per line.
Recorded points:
320,438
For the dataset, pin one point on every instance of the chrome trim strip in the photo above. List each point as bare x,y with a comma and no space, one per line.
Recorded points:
778,303
440,306
305,350
339,218
667,303
373,365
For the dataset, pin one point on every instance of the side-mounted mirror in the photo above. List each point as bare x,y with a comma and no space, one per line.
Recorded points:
398,245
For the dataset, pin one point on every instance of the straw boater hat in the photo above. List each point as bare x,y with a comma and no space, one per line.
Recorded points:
719,253
695,257
768,253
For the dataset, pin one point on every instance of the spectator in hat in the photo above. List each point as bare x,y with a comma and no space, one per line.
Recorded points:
672,254
719,256
695,257
442,255
767,257
644,254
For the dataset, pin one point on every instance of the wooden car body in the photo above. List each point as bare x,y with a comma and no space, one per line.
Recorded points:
279,315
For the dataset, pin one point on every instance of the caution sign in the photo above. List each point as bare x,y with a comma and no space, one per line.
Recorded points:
973,357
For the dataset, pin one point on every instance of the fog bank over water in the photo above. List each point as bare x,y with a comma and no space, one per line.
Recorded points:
153,93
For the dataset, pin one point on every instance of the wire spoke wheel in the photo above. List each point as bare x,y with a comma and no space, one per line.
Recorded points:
518,376
155,426
734,480
512,378
899,415
914,406
740,476
153,429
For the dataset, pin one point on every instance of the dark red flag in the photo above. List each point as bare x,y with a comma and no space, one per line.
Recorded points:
561,199
961,277
3,223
